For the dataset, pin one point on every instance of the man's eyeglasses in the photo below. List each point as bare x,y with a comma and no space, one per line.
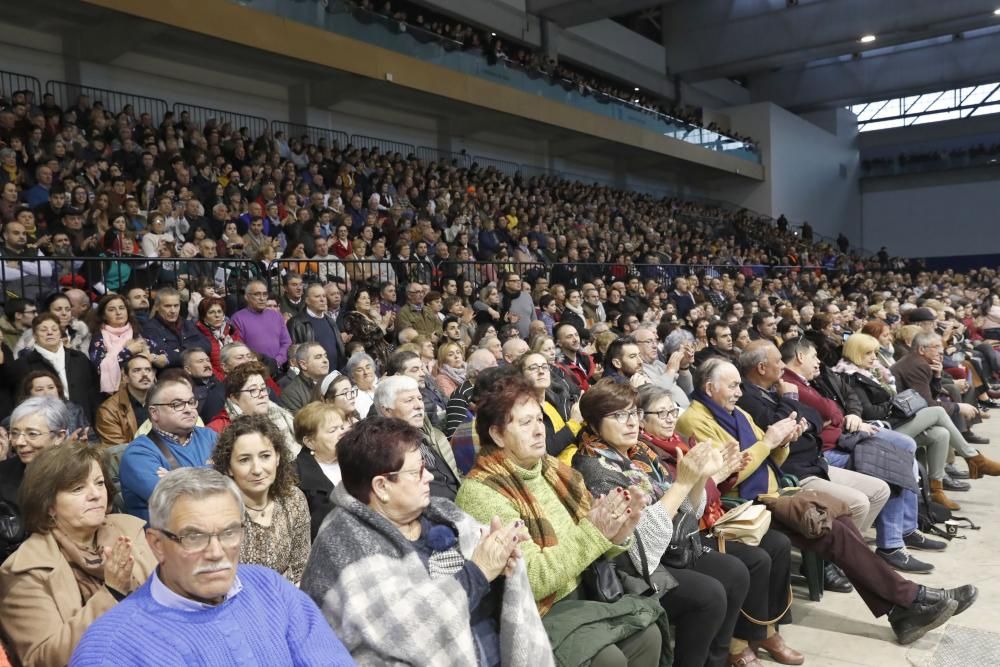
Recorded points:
663,414
417,473
255,392
30,436
195,542
178,405
622,416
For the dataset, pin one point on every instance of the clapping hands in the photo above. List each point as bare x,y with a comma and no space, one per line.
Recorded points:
498,551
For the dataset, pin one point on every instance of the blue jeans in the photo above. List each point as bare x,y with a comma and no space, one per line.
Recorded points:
899,516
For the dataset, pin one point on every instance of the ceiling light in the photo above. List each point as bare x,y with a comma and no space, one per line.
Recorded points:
997,12
867,39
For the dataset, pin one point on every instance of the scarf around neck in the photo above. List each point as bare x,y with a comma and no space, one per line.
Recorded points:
878,373
737,425
57,360
640,466
456,375
114,339
498,473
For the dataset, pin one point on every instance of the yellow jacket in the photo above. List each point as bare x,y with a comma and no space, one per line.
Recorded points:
697,421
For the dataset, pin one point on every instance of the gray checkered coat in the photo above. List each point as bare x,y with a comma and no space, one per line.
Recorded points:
388,610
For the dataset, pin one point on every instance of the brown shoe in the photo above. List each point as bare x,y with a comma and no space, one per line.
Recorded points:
937,492
745,659
979,466
779,651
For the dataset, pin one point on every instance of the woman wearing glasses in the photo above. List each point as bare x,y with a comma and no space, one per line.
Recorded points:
361,369
560,427
387,541
253,452
337,390
35,425
704,590
77,564
769,564
246,394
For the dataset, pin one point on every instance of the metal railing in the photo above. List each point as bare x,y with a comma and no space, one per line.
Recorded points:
316,135
11,82
36,277
385,146
115,101
503,166
428,154
202,115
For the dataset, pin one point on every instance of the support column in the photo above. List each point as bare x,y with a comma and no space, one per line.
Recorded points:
298,104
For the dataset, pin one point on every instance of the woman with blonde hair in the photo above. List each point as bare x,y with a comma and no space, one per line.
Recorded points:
451,367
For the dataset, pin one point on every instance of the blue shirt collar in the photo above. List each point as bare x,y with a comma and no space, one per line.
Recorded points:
167,598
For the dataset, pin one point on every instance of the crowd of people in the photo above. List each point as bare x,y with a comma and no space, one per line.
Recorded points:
418,22
362,374
978,155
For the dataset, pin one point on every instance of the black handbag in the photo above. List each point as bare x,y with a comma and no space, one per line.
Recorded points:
908,403
11,525
685,546
601,582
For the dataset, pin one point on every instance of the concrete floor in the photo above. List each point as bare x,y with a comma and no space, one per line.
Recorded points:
839,630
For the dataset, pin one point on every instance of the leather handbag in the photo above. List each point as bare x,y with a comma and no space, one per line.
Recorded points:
809,513
685,546
908,403
746,523
601,582
11,525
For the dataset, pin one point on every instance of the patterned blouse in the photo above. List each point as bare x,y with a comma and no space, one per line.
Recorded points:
284,545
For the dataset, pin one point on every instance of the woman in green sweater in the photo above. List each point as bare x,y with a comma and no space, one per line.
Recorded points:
513,479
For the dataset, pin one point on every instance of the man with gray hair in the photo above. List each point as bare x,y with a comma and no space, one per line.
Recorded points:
399,396
166,330
675,374
314,365
262,329
200,602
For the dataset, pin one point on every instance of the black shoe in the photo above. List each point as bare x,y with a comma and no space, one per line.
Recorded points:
974,439
949,484
901,560
920,542
952,471
913,622
963,595
987,404
835,580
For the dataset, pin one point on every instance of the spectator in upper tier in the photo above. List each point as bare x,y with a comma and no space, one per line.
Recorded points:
174,442
170,333
237,613
262,329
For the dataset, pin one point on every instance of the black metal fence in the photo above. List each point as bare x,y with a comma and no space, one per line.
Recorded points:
36,277
115,101
316,135
202,115
428,154
11,82
383,145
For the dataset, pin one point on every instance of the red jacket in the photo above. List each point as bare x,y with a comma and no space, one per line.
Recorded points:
833,417
215,354
580,372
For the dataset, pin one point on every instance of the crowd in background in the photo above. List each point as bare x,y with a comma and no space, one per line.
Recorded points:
333,365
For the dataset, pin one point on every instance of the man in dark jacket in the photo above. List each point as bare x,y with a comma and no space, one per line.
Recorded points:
315,324
314,365
168,331
211,393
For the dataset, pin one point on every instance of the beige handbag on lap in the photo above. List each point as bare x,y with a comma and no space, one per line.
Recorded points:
745,523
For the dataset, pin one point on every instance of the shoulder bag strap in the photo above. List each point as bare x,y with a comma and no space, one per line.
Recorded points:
162,446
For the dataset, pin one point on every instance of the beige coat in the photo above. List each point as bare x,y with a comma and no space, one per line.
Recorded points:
42,613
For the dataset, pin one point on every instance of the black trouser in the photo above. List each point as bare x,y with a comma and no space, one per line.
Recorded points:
770,568
704,607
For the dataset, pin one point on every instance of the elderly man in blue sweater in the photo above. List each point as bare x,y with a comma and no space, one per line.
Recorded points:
200,607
